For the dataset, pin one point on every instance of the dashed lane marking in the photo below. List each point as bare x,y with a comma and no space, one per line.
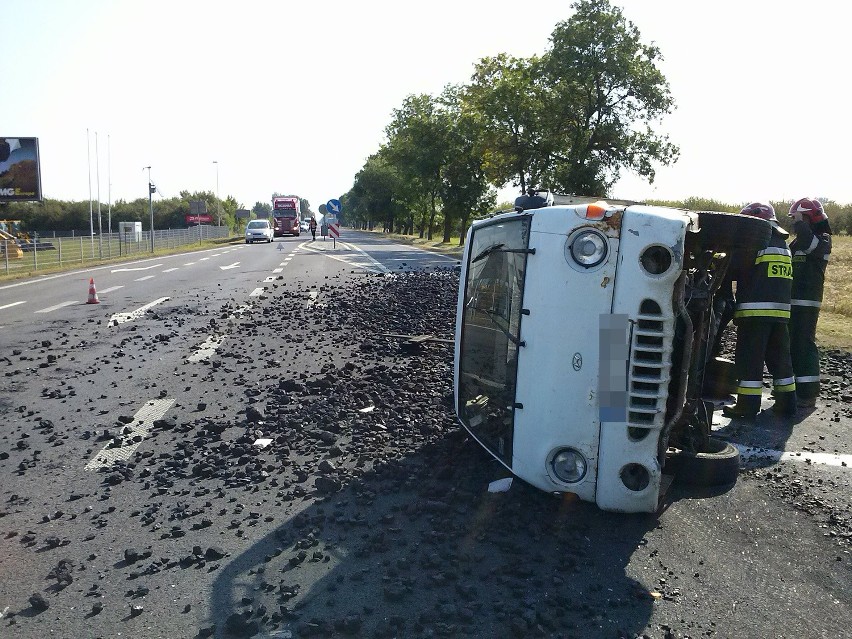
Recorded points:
139,268
169,270
121,318
111,289
57,306
138,429
207,348
257,292
11,305
312,300
142,279
764,454
189,263
277,270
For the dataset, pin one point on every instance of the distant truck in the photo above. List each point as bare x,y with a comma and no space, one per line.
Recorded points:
285,216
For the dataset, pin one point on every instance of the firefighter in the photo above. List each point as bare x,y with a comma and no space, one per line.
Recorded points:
761,316
810,249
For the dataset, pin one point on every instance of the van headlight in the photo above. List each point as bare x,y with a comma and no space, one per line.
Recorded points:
568,465
588,248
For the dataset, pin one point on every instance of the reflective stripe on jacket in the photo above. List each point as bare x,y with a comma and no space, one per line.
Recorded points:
810,258
763,292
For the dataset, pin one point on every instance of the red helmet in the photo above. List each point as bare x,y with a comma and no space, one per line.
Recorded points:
763,211
810,208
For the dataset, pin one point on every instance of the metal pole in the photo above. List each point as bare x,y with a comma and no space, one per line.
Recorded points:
109,191
98,177
91,218
150,204
218,201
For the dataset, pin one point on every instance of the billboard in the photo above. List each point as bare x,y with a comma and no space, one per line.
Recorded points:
203,218
20,174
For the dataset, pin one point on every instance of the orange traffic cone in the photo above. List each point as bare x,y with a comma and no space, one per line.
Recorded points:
93,294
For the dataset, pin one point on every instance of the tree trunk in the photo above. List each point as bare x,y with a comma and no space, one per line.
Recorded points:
464,221
448,226
431,219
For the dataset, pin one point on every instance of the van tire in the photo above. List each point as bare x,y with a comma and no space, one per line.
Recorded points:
732,231
718,466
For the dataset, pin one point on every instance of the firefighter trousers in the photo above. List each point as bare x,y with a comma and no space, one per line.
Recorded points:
758,342
803,349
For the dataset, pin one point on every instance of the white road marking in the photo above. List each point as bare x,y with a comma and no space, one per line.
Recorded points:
142,279
53,308
277,270
373,266
121,318
112,288
143,422
169,270
269,278
823,459
312,299
234,265
207,348
189,263
141,268
256,292
203,259
11,305
88,270
376,263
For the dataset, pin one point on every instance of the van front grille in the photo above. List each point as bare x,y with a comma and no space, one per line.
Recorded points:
648,366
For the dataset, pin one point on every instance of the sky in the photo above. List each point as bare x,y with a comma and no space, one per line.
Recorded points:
256,97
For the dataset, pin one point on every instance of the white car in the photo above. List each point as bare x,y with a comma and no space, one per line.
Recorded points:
259,231
305,226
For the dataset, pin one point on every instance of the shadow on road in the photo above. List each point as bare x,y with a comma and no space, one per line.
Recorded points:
417,547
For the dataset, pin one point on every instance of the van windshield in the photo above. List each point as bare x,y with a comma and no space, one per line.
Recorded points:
490,333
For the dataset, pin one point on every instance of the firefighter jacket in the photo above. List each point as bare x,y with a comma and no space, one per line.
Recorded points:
763,289
810,258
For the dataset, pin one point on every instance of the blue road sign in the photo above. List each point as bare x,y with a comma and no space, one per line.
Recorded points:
334,206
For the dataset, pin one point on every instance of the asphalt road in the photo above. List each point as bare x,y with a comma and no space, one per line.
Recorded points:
251,457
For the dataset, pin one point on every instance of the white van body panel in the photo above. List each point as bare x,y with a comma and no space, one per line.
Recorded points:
558,368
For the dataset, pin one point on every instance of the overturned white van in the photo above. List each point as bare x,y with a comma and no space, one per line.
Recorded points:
582,337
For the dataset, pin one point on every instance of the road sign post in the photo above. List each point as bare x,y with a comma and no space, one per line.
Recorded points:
334,208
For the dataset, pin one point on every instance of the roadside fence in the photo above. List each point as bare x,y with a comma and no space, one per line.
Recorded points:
44,252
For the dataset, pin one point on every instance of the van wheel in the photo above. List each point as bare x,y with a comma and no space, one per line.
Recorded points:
728,231
719,465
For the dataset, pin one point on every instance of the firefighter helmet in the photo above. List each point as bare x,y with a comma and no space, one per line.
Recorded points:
810,209
763,211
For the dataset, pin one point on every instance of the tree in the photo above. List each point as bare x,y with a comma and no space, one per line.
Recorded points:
262,208
464,187
604,92
509,100
417,148
372,196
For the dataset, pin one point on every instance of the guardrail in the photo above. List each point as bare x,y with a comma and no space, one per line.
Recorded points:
48,252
